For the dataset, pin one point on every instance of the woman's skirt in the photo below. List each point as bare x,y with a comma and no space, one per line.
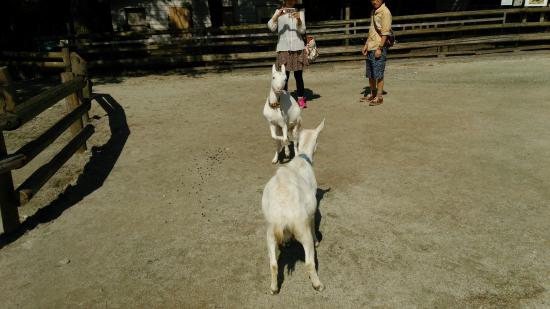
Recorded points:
293,60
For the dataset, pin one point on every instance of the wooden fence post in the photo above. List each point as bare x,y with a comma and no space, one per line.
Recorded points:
72,104
66,58
80,68
348,16
8,201
7,93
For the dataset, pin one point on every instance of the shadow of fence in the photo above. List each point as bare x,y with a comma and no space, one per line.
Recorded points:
96,171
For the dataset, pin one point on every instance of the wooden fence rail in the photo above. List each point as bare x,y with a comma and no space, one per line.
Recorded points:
76,90
248,45
251,45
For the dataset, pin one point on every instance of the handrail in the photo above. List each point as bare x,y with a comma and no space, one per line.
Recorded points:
29,151
312,25
39,103
76,88
29,188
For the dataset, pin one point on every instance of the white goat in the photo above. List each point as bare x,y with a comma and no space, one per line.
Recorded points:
289,205
283,113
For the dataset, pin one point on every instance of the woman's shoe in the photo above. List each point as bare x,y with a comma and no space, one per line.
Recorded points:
302,102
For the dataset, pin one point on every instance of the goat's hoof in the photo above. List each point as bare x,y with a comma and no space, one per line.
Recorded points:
274,161
319,288
274,292
316,243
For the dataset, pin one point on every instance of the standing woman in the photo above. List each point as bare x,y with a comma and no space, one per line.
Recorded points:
290,24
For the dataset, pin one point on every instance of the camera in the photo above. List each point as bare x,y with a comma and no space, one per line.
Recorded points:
289,10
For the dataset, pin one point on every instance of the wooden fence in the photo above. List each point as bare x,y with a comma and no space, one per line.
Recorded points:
251,45
76,90
441,34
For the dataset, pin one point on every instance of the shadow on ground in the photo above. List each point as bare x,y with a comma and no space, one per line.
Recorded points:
366,91
292,252
95,172
115,76
308,93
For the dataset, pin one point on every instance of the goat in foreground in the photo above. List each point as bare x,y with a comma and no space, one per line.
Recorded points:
282,112
289,205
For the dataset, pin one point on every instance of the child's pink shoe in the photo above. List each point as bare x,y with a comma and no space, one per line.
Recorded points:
302,102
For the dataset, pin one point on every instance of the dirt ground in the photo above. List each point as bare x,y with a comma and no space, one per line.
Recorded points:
439,198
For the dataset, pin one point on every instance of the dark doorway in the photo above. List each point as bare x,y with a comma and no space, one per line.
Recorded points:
216,12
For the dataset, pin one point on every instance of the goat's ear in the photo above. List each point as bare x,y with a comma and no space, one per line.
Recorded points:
320,127
273,69
283,68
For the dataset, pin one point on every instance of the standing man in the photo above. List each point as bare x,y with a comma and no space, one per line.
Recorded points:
376,50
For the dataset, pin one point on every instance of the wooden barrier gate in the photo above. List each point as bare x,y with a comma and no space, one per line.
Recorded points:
76,90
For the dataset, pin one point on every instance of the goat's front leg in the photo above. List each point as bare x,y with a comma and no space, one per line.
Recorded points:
295,137
277,150
285,139
273,128
277,138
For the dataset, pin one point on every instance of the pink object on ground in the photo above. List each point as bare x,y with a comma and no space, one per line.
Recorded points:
302,102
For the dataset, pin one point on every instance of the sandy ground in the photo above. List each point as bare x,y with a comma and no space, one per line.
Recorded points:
439,198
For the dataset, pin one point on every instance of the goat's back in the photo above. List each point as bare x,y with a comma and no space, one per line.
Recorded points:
289,197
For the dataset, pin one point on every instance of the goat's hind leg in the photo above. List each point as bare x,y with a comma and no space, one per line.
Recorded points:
306,239
313,233
272,251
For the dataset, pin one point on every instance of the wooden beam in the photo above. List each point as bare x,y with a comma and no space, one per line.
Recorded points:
80,68
86,99
176,44
8,96
12,162
38,64
66,59
37,104
72,104
78,65
21,54
29,151
28,189
40,55
8,200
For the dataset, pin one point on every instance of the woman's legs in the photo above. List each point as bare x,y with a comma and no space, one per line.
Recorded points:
299,83
287,77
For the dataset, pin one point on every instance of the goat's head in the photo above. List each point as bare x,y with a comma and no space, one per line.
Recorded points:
278,79
308,139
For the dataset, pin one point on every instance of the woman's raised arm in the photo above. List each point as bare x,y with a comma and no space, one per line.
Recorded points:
272,23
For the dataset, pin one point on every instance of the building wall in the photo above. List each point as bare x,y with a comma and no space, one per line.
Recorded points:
157,12
255,11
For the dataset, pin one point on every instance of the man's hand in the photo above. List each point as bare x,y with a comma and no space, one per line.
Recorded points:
364,50
378,53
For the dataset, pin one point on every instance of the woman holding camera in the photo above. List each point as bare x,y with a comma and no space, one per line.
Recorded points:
289,22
